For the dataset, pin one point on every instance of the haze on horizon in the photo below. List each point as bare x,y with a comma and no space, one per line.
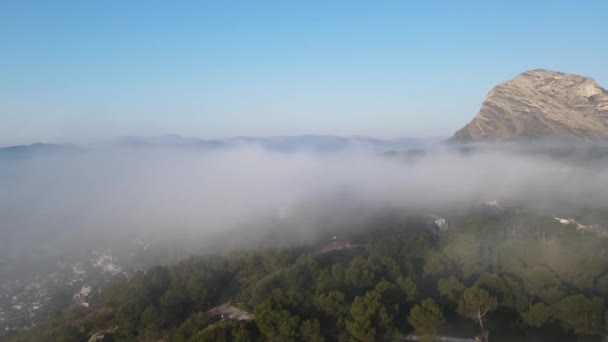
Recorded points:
83,71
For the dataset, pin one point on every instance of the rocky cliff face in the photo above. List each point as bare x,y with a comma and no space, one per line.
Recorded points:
540,104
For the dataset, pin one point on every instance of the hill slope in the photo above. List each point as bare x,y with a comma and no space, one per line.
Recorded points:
540,104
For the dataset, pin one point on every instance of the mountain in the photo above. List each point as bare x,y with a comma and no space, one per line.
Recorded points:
540,104
318,144
37,149
163,141
327,143
285,143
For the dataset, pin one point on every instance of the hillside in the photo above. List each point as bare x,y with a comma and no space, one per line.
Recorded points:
512,273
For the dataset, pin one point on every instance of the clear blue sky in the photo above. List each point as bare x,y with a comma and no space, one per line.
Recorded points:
86,70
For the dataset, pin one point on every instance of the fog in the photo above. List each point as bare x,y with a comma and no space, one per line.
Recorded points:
172,193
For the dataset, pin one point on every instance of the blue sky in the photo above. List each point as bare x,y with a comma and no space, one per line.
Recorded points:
87,70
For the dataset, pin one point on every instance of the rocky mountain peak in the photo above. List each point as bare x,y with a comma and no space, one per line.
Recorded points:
540,104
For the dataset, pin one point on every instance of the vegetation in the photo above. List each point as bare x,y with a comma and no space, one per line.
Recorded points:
426,318
503,272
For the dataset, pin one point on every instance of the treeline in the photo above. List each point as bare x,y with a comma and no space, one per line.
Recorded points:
507,273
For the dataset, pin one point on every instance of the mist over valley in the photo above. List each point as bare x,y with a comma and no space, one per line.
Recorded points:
303,171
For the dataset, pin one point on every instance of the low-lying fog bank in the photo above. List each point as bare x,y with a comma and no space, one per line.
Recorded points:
168,193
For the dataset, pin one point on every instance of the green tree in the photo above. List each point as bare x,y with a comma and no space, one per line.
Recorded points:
602,285
450,288
368,319
358,275
156,281
149,319
331,304
275,323
174,306
537,315
194,323
464,250
310,331
506,290
408,287
215,333
476,303
197,290
579,314
426,317
541,282
435,264
242,333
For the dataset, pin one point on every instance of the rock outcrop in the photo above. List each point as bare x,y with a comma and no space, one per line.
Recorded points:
540,104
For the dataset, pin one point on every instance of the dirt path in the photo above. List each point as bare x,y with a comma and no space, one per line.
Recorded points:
228,311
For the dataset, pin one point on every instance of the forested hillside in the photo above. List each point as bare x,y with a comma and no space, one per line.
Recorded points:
509,273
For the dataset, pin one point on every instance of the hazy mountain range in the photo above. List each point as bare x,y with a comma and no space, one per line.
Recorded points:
296,143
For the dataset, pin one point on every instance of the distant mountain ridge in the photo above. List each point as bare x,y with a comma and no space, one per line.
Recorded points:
540,104
279,143
295,143
24,151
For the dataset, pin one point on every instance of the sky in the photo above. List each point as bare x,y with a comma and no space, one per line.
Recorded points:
80,71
